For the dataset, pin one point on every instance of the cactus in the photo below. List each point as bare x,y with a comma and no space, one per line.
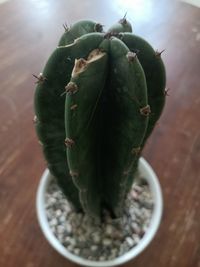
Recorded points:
96,103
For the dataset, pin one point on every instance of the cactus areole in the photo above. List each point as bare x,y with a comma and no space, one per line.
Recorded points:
96,103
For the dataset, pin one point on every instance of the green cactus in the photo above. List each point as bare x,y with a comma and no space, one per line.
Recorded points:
96,103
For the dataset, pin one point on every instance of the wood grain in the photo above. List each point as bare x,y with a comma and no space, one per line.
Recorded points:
29,31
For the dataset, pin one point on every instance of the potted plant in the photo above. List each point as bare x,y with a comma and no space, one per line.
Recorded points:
96,103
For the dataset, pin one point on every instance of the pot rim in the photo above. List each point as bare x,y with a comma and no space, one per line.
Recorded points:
146,170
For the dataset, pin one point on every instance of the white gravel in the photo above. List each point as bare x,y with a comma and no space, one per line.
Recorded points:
86,237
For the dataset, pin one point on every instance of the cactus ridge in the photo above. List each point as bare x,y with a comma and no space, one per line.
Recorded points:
81,126
154,70
155,76
78,29
49,107
125,125
96,102
123,25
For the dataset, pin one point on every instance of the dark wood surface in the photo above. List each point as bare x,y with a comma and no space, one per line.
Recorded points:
29,31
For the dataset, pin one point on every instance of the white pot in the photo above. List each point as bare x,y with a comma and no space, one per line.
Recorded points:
151,178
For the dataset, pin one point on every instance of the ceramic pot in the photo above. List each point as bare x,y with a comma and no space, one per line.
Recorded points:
149,175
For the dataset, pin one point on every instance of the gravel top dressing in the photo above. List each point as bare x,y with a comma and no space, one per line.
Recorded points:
92,240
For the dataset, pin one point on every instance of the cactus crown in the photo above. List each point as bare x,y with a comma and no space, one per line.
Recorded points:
96,103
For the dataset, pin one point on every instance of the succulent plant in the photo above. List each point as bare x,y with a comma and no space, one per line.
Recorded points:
96,103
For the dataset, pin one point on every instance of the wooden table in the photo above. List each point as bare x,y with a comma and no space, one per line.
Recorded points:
29,31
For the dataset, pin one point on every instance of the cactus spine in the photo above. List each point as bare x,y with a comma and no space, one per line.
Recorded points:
96,103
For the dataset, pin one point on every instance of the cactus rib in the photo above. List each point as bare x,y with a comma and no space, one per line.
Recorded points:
78,29
154,70
89,75
125,125
49,106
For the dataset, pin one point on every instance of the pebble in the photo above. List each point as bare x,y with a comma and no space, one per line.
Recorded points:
130,241
67,239
144,228
60,229
79,231
109,230
91,240
66,208
49,213
58,213
81,244
53,222
72,242
136,238
60,237
70,248
137,188
53,229
77,251
147,204
102,258
51,201
62,219
121,251
94,248
125,247
96,238
134,195
114,252
117,243
107,242
86,252
81,239
112,257
118,234
137,213
68,228
133,216
127,228
135,227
